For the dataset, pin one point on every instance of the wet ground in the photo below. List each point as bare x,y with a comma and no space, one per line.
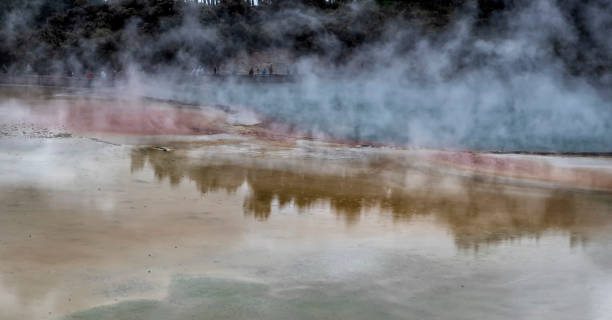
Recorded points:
227,224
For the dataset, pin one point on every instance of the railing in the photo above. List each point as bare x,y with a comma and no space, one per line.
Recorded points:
84,82
44,80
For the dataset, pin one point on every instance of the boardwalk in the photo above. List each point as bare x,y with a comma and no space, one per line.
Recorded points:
84,82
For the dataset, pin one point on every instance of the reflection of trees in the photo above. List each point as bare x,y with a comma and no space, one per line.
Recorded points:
207,178
347,196
476,212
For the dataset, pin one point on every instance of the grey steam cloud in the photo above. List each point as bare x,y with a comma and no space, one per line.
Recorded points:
505,89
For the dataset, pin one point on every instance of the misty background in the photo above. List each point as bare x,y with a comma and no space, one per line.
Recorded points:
488,75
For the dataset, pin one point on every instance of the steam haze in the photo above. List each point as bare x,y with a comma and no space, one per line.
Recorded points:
305,159
530,76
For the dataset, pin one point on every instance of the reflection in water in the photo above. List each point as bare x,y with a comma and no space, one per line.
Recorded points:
476,212
78,234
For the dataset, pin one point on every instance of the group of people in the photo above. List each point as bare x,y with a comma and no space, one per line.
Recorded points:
199,71
263,72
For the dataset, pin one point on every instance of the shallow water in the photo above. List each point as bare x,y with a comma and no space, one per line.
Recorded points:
232,226
243,230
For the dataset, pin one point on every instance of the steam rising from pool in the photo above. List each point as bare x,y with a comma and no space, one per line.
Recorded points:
507,89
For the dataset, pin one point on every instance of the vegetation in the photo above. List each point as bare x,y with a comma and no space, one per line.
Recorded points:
55,36
81,35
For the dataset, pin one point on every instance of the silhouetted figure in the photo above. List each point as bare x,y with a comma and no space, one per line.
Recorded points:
251,72
90,77
215,70
271,70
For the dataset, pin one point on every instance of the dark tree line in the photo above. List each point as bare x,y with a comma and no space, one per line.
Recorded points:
53,36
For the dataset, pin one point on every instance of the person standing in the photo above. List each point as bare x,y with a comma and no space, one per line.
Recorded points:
90,77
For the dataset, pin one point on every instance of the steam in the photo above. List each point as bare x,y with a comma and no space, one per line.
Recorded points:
521,83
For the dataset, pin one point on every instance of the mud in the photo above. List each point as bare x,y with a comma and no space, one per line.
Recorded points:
103,225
